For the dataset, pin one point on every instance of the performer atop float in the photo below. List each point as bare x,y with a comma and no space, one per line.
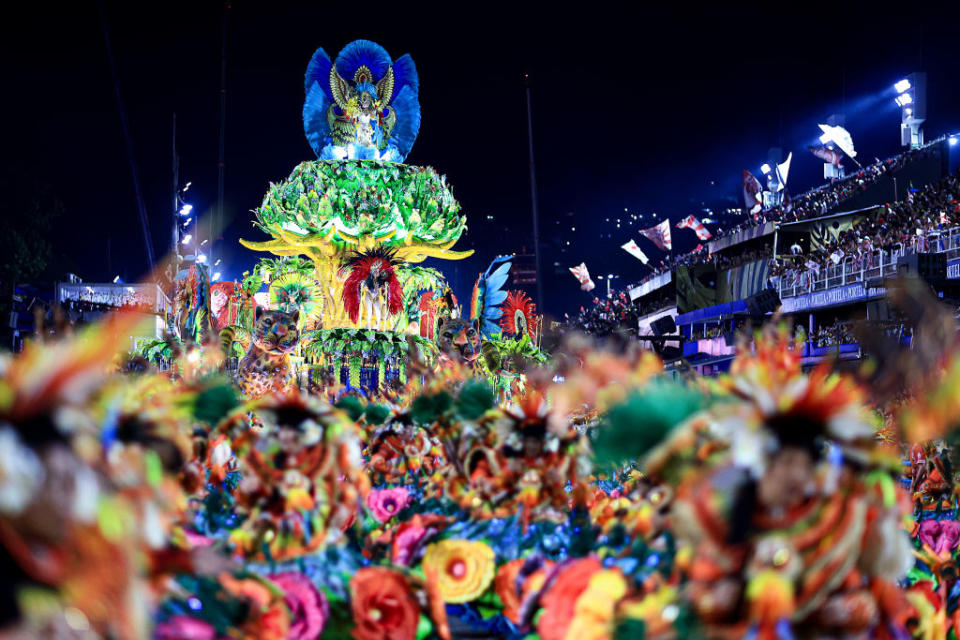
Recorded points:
363,106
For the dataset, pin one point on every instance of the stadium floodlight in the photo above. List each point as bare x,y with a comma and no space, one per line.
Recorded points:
186,209
116,279
202,259
187,238
908,111
902,86
216,276
903,99
217,263
765,169
953,141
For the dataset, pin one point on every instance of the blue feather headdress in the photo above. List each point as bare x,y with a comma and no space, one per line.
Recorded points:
361,66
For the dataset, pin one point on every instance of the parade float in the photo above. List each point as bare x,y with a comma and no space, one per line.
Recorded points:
358,222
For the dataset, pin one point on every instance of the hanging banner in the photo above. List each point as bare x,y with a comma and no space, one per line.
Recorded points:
651,285
749,233
696,287
742,282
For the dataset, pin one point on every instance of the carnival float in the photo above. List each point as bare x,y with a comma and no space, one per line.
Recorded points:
380,461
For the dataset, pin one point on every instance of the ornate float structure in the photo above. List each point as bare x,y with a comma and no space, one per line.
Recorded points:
363,219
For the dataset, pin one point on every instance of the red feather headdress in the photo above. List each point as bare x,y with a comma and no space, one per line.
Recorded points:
519,314
375,269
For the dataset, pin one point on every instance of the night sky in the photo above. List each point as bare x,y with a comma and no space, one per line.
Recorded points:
646,110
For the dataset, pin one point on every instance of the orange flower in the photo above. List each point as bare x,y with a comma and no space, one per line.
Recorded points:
438,608
273,624
382,606
270,617
505,584
247,588
594,611
561,598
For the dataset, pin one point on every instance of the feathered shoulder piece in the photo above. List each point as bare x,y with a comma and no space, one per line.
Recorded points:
488,295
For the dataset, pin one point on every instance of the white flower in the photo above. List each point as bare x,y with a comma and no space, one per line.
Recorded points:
221,454
86,494
21,473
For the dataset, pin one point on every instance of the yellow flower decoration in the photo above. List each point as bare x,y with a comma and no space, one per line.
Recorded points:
594,611
463,569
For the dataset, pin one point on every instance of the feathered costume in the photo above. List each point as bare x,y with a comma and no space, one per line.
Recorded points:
375,271
519,314
488,294
361,106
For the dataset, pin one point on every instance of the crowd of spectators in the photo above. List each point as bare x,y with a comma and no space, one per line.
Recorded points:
831,336
607,316
906,225
814,203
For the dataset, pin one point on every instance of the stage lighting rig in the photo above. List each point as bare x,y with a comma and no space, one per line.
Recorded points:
912,100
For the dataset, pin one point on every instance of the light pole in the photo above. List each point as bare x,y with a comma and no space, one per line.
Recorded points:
610,277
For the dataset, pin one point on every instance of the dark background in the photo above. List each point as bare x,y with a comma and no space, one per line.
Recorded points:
649,110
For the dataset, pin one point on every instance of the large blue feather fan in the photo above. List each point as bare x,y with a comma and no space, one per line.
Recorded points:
488,295
405,101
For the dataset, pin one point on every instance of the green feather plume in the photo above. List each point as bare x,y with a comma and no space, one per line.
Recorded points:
474,399
351,405
376,414
633,428
213,403
427,409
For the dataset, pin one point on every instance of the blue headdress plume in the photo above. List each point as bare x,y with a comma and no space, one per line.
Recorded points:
488,295
320,108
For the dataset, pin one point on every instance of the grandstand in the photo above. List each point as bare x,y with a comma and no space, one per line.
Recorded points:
825,256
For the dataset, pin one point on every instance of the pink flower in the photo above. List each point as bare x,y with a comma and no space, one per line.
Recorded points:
941,536
195,539
409,536
184,628
387,503
309,609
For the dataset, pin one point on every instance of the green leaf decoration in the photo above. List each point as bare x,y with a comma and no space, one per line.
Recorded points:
368,197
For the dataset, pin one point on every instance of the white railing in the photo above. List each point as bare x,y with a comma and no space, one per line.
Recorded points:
877,264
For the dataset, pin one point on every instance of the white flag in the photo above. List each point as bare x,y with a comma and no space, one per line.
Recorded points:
783,170
632,248
840,137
